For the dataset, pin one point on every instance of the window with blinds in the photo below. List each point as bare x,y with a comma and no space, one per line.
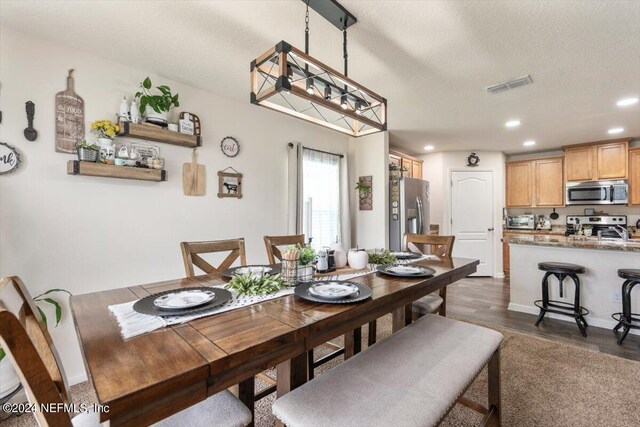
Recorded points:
321,197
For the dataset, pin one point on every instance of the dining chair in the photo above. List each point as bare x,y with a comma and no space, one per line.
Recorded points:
441,246
274,255
191,255
26,341
272,244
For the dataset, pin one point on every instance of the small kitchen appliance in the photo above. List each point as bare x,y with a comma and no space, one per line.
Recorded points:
521,222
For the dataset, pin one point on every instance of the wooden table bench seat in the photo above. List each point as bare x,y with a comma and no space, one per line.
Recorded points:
412,378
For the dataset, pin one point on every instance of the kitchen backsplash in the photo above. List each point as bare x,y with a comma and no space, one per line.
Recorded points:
632,212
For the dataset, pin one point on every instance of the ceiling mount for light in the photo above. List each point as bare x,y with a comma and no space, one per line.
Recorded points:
290,81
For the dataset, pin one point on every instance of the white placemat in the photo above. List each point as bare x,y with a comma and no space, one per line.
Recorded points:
133,323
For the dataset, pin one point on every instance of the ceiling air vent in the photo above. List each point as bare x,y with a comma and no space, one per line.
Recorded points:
511,84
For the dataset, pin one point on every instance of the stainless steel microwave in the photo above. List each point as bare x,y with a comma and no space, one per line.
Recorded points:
597,193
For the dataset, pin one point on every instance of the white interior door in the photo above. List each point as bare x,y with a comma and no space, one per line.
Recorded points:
472,217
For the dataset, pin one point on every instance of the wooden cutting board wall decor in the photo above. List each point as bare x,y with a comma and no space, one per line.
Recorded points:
69,118
193,177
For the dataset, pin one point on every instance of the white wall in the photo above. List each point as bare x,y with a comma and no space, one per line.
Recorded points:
87,234
437,168
369,155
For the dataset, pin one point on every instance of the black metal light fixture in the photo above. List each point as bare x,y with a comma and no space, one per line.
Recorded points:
288,80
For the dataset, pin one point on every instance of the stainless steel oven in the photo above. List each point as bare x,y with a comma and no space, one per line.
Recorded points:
598,193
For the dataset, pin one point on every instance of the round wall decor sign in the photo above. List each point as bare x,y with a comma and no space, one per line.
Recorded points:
473,160
9,159
230,146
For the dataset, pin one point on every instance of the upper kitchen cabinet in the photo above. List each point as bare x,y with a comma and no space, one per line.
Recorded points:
535,183
548,182
411,165
634,176
597,161
519,189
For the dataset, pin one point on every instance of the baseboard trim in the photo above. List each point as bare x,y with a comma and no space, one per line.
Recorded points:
77,379
499,276
592,321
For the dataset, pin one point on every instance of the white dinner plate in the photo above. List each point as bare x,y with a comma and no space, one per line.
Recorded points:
405,269
184,299
333,290
252,270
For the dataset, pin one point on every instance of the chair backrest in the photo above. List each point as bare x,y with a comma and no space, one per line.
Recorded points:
272,243
441,246
26,341
191,257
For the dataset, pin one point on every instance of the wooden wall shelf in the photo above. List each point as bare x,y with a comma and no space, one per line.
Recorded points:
158,134
75,167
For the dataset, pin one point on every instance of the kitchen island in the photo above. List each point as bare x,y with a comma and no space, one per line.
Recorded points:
601,286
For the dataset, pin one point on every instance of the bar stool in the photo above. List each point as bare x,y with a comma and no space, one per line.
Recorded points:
561,271
626,318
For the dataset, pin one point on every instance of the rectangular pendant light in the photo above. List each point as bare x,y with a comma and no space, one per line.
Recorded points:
287,80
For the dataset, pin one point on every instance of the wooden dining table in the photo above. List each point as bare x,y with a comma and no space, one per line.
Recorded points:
150,377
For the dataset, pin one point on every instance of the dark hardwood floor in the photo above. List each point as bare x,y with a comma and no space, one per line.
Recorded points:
485,300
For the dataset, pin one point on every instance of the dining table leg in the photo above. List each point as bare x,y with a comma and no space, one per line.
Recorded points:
352,343
400,319
246,394
290,375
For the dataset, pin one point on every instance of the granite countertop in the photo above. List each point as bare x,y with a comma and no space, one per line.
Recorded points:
582,243
554,230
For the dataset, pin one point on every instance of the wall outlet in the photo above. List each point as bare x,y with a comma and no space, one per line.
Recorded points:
616,298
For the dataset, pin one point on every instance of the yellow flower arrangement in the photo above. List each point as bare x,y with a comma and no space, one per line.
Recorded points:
105,129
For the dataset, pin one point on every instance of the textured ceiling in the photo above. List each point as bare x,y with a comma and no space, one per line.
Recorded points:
431,60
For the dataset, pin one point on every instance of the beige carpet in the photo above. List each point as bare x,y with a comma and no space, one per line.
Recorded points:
544,383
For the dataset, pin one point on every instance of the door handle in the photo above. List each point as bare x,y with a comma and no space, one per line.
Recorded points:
490,229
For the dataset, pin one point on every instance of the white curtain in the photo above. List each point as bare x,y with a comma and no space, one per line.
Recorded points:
319,196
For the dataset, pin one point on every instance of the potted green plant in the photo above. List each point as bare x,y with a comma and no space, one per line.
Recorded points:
305,267
588,230
87,152
362,188
156,107
9,380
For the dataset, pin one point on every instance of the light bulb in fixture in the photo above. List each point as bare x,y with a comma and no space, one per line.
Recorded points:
310,86
327,92
358,108
343,102
613,131
429,147
512,123
627,101
529,143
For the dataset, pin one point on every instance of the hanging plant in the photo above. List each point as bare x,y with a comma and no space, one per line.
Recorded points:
362,187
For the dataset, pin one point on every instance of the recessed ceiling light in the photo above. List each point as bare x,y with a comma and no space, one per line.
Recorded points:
626,102
429,147
615,130
529,143
512,123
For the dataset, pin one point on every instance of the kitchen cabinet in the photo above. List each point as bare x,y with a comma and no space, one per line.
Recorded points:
549,182
412,165
535,183
597,161
519,184
634,176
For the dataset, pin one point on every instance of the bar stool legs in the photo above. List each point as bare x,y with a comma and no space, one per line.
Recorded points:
626,318
562,271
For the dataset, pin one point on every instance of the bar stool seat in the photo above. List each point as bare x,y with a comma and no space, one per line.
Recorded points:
626,317
562,270
629,274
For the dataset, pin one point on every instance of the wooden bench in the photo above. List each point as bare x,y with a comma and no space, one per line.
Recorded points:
413,378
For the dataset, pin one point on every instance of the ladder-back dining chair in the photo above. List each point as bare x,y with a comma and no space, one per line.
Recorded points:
441,246
191,255
272,243
29,347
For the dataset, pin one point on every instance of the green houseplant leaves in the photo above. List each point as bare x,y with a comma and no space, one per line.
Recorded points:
158,103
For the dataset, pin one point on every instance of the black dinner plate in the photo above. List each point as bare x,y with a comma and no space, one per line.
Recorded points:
426,271
364,292
407,255
145,305
230,272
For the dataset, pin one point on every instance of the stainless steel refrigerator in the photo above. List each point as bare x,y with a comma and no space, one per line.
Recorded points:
408,209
